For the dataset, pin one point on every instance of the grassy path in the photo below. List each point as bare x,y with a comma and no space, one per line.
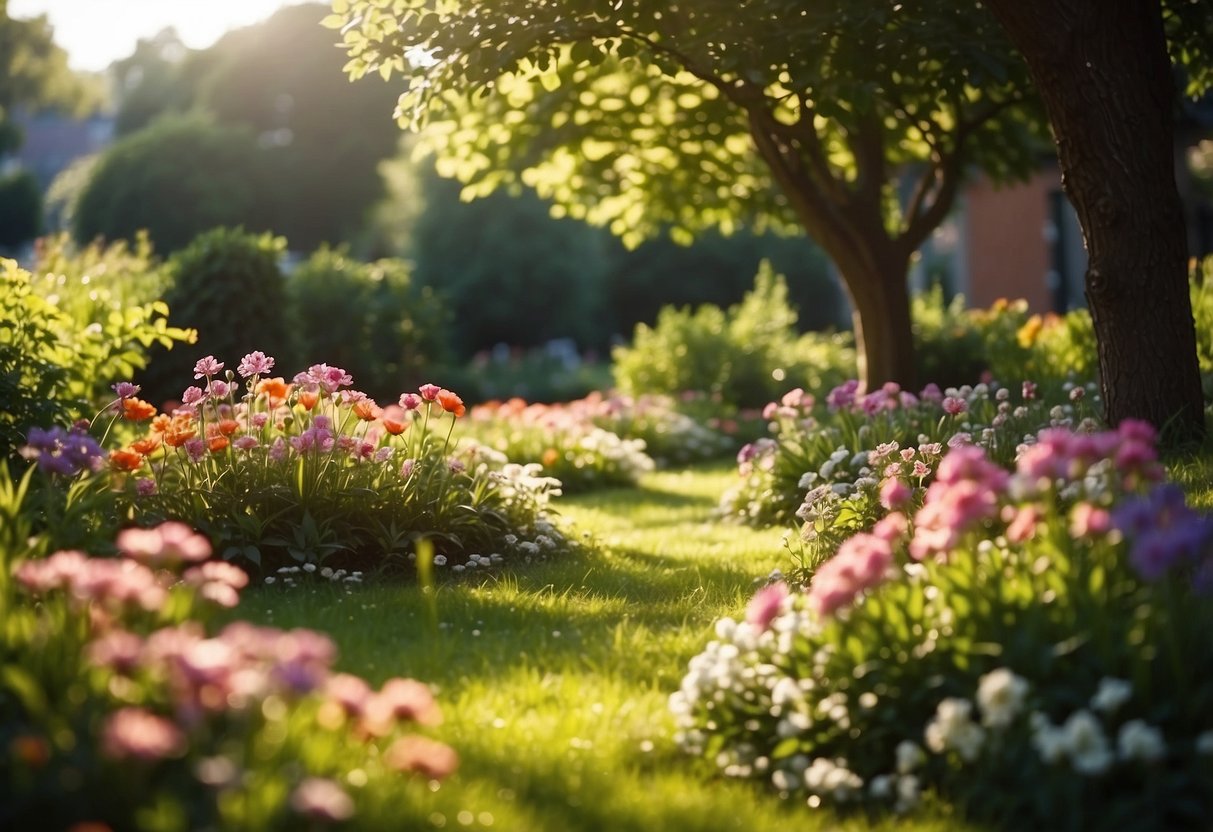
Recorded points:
553,680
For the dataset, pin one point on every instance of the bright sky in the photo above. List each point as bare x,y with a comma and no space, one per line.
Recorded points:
96,32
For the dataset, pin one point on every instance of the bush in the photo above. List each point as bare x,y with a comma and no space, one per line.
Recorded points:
60,348
227,286
552,373
746,355
1030,646
371,318
20,209
174,179
125,707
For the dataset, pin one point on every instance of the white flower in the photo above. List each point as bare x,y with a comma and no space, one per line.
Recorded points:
953,728
1139,741
1047,738
1000,695
908,793
440,560
1112,693
881,787
309,567
833,778
1086,744
1204,744
909,756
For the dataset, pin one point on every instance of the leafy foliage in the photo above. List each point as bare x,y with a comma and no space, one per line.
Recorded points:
20,209
177,179
225,285
371,318
746,355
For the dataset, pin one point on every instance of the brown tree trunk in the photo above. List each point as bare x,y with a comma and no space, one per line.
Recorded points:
1102,70
880,304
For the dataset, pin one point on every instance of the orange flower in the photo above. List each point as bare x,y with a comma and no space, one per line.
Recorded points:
126,460
550,457
217,443
308,398
146,445
451,403
162,423
275,389
366,410
228,426
35,752
180,431
136,410
394,426
1028,332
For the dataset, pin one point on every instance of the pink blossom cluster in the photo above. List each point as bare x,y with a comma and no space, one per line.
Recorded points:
864,561
1061,454
113,584
966,490
323,377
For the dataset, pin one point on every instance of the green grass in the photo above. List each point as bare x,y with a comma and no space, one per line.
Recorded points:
554,680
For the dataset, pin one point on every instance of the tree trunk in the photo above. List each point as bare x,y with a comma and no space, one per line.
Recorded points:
880,304
1102,70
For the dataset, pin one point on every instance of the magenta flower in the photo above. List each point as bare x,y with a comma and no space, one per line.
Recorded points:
843,396
145,486
429,392
766,605
406,468
245,443
133,733
411,401
207,367
125,389
256,363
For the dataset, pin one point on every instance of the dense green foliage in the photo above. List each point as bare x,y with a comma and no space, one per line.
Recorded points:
746,355
177,179
226,285
370,318
20,209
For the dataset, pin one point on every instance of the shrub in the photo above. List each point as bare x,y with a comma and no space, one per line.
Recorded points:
20,209
948,348
745,355
312,473
58,352
552,373
226,285
371,318
125,707
176,179
1028,645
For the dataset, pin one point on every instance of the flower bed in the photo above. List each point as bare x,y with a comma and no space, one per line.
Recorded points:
1031,644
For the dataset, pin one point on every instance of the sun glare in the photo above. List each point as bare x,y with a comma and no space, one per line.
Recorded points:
97,32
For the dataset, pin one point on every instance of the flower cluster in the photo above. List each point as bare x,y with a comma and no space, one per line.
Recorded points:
982,635
205,715
312,470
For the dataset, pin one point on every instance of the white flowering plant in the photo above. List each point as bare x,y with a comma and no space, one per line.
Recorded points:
1032,646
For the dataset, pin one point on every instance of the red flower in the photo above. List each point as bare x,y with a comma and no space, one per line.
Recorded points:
450,402
126,460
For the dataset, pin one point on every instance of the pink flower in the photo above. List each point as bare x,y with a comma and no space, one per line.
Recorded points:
954,406
260,420
278,451
133,733
350,692
218,389
863,562
894,494
423,756
1077,394
406,468
931,393
117,650
245,443
192,396
429,392
891,527
965,492
411,401
1029,390
1023,522
145,486
766,605
165,545
401,700
207,367
321,800
256,363
1087,520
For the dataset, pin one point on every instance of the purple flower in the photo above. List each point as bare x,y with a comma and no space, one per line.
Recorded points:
256,363
195,449
843,396
58,451
145,486
207,367
1164,533
124,389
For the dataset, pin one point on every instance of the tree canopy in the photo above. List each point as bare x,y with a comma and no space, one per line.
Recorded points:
855,121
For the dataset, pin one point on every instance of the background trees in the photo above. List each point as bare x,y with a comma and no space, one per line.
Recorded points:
852,120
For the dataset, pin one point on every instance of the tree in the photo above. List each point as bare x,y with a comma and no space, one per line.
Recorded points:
854,120
1103,72
33,73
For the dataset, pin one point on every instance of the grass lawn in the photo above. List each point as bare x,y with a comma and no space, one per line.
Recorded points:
553,680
